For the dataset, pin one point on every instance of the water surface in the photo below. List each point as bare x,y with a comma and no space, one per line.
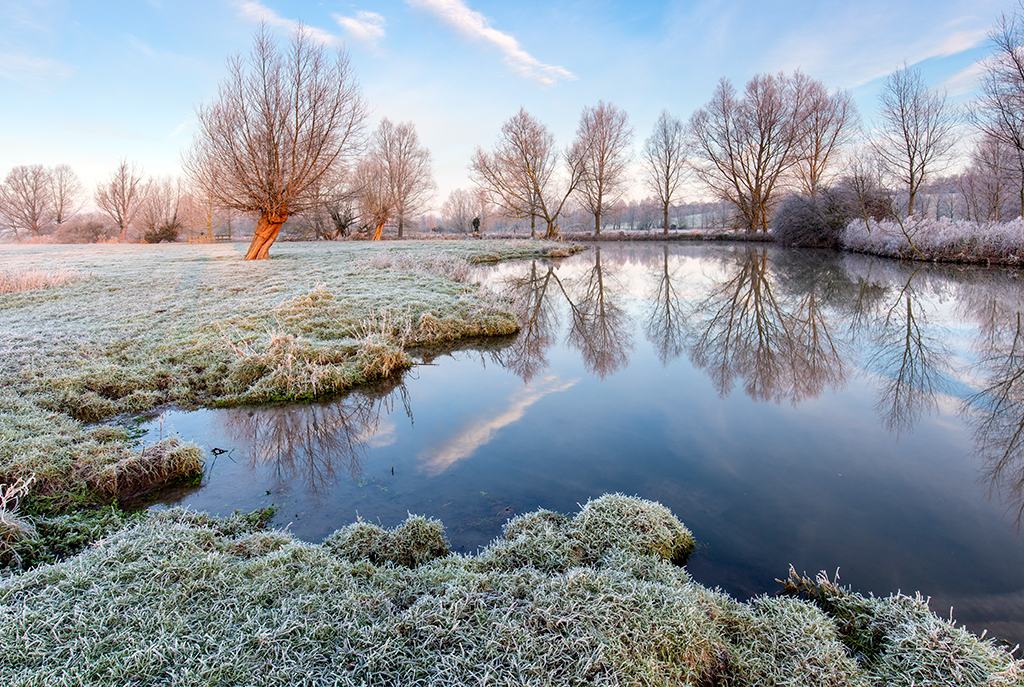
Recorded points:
826,411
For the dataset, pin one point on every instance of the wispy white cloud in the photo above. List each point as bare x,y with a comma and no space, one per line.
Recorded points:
965,80
480,432
40,72
256,11
476,26
367,27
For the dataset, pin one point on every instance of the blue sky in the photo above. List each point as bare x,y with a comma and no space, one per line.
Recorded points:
89,82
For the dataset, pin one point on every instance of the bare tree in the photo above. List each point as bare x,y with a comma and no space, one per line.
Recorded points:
459,210
67,192
121,196
988,186
333,212
164,209
830,123
745,147
408,169
999,111
664,158
376,196
520,174
915,132
282,121
25,200
606,136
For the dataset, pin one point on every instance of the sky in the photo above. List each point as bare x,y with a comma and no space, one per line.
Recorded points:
89,82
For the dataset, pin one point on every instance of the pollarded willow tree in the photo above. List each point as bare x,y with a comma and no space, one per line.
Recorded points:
520,176
405,176
283,121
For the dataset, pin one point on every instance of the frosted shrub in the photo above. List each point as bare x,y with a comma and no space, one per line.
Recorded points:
941,240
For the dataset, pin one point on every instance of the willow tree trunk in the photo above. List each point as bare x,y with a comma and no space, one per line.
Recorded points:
267,230
378,234
552,233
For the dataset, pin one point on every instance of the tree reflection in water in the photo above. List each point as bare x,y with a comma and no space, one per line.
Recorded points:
996,416
663,325
538,320
601,329
780,346
316,442
910,362
789,325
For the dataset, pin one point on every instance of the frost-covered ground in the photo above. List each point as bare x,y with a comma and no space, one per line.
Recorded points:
941,240
141,326
182,598
595,599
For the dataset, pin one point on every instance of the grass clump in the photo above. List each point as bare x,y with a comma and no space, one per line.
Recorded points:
26,279
897,640
184,598
553,542
157,465
417,541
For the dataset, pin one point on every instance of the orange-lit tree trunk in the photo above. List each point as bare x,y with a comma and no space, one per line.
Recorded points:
378,234
266,233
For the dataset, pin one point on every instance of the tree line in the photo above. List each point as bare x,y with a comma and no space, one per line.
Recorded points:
286,139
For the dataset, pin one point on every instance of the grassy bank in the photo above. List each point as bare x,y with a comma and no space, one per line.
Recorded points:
185,599
94,332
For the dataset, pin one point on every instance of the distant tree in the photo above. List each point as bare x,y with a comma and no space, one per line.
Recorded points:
744,147
915,131
26,203
999,111
606,137
376,197
164,210
67,192
407,166
121,197
458,210
520,176
281,123
664,158
988,186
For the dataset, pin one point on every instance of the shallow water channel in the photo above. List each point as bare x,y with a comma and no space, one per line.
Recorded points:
821,410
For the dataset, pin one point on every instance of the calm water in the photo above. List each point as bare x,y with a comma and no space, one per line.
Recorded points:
832,412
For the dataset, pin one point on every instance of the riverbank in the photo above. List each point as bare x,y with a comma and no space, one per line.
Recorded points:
93,333
593,599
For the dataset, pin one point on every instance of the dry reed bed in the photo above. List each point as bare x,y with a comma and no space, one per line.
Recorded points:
196,325
182,598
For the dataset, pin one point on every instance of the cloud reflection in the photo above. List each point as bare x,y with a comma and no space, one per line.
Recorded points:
481,431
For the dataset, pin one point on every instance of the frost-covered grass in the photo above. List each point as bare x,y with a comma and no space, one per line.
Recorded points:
198,326
14,280
182,598
945,240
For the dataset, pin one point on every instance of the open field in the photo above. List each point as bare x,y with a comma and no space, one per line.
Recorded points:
94,332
